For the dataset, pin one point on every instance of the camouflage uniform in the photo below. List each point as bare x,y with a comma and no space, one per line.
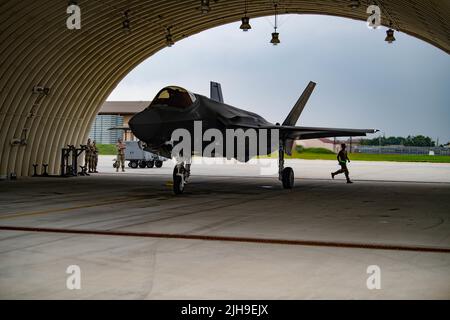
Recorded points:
94,157
120,155
88,155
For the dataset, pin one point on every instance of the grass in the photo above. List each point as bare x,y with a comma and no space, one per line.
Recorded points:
314,155
300,149
106,149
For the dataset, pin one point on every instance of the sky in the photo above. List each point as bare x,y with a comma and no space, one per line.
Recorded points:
362,81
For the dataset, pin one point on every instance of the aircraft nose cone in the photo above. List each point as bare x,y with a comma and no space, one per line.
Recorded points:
145,125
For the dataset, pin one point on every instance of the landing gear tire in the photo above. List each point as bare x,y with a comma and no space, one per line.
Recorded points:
142,164
158,163
133,164
178,183
150,164
287,178
129,164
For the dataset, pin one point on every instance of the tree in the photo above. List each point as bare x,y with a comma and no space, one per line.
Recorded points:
410,141
419,141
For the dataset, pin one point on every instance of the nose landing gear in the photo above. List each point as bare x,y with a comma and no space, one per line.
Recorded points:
181,175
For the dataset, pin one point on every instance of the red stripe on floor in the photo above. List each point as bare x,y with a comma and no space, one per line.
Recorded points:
372,246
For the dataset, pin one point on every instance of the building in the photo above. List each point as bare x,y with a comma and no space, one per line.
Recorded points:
115,114
317,143
330,144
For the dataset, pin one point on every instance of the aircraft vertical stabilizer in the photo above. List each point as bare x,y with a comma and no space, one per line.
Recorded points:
296,111
216,92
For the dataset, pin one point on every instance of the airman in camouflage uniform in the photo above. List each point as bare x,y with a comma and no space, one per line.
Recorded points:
342,157
88,155
120,155
94,157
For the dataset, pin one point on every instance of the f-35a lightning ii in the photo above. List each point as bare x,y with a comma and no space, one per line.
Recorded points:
176,108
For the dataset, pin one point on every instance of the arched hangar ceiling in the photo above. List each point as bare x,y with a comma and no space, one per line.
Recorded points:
81,67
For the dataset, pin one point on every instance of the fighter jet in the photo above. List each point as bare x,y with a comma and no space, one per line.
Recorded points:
176,108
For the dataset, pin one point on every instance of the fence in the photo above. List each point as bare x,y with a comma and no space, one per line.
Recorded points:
402,150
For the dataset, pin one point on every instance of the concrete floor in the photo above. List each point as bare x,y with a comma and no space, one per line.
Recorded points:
394,204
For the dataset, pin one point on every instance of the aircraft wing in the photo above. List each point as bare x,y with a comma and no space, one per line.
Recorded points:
291,133
304,133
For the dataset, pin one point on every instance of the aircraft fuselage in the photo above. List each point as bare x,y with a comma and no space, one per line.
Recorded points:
156,124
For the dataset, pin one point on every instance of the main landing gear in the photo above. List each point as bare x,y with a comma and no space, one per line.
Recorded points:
182,171
285,175
181,174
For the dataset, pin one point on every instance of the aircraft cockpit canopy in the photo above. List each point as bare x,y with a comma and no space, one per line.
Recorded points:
174,97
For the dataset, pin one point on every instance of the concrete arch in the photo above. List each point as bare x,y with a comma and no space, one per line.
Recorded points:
82,67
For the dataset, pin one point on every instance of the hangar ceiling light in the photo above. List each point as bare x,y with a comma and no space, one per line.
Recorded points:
275,35
389,36
354,4
169,39
126,22
245,26
204,6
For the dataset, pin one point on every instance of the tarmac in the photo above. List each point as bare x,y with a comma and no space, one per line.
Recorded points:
234,233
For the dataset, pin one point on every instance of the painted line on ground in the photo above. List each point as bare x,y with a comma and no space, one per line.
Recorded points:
314,243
